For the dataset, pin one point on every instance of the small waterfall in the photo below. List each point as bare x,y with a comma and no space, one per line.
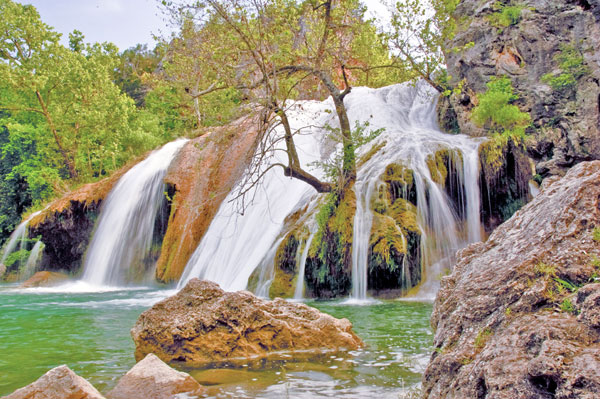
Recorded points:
266,271
33,260
17,237
125,228
299,291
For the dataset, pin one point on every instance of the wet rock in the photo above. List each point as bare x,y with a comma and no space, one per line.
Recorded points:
200,177
204,324
2,270
151,378
45,279
506,318
58,383
566,119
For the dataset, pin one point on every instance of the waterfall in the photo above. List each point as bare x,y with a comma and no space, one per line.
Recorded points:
235,245
17,237
301,261
124,231
32,261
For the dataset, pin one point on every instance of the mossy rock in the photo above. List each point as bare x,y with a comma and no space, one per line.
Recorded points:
329,262
401,182
443,165
285,264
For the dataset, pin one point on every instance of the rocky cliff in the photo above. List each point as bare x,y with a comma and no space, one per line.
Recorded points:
518,317
551,53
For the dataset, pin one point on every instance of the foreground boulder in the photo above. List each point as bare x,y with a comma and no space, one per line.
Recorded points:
59,383
45,279
153,379
518,317
203,323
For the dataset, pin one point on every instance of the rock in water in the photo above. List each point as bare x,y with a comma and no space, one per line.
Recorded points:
153,379
518,317
203,323
45,279
59,383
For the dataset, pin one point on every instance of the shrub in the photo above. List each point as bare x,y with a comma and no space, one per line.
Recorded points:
571,63
496,112
505,16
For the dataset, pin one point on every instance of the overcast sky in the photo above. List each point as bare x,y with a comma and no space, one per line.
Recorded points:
123,22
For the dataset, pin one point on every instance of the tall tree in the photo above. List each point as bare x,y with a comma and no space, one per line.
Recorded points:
271,51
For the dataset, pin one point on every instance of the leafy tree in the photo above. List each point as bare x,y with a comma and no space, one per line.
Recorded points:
419,32
87,125
268,52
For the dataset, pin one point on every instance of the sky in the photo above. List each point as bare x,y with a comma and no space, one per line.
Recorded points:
122,22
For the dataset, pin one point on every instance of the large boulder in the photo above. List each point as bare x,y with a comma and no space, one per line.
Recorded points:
542,39
203,323
518,317
59,383
45,279
153,379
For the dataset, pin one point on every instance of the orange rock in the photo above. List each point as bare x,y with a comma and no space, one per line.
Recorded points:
203,173
203,324
44,279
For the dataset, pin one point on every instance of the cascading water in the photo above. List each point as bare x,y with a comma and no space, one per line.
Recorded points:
235,245
411,136
301,261
125,228
33,260
17,237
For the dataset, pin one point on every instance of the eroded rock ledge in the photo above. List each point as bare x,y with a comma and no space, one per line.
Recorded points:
518,317
203,324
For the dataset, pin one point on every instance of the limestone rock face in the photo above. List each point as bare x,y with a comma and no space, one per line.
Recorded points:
566,119
59,383
203,323
518,317
44,279
153,379
201,176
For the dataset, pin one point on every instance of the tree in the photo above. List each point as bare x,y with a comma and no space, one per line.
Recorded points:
272,51
89,126
419,32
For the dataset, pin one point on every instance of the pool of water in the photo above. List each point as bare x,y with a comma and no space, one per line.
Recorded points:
89,331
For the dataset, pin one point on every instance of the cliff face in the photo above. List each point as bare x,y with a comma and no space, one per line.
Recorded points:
518,317
551,53
199,179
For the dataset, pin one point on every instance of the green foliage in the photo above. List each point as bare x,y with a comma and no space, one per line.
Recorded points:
542,269
482,338
566,285
505,15
571,63
596,234
567,306
495,110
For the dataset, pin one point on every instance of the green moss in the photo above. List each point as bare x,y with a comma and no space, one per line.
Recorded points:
567,306
400,180
596,234
505,15
374,150
571,63
440,162
482,338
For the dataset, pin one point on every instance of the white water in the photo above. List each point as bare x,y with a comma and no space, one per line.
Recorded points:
411,135
17,237
124,230
301,261
235,245
33,260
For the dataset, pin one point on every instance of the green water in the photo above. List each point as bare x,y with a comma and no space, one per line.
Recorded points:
89,332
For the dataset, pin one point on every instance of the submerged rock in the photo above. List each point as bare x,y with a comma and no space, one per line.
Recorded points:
518,317
59,383
151,378
203,323
45,279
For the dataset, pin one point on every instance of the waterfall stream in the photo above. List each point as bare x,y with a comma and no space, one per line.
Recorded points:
235,245
125,228
17,237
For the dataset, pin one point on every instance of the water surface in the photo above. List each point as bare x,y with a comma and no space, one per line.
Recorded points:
41,329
